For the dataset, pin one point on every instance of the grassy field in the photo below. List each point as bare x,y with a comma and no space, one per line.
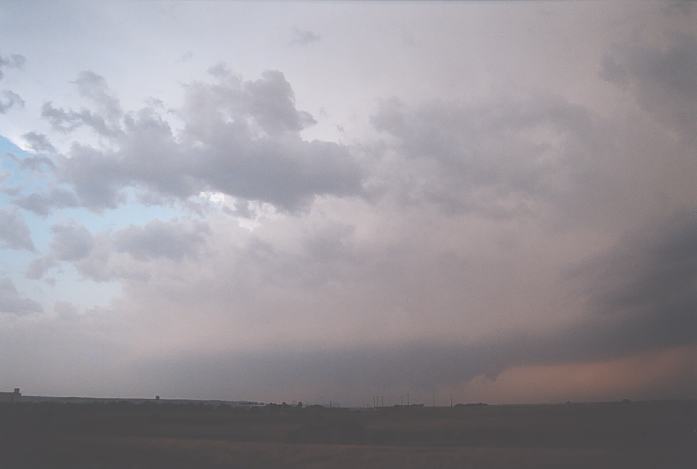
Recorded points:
129,436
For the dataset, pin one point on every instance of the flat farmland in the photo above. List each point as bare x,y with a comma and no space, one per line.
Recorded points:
149,435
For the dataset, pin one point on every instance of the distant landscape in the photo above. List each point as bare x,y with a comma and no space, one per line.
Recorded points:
130,434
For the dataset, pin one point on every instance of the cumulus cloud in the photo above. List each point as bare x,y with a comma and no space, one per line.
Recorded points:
11,302
39,143
11,61
103,118
68,120
8,100
71,242
241,138
126,253
44,203
14,232
94,88
303,37
37,163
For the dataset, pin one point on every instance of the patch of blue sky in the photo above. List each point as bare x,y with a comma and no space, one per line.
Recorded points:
130,213
26,182
22,180
14,261
68,284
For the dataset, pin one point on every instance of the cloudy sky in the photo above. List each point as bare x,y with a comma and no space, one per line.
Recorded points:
329,201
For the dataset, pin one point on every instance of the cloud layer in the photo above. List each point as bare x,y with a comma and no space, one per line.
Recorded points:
472,221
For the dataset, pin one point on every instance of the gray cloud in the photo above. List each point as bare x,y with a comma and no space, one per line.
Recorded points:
240,138
104,119
11,61
158,239
302,37
43,204
105,116
128,253
94,88
663,80
643,292
66,309
8,100
40,266
495,158
37,163
39,143
11,302
648,284
71,242
637,296
68,120
60,119
14,232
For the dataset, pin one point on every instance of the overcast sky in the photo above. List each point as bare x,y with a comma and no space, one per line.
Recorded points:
329,201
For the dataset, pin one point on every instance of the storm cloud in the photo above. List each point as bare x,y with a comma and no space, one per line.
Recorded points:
662,80
643,292
477,211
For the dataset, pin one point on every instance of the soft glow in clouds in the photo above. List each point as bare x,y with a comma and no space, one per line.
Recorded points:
331,201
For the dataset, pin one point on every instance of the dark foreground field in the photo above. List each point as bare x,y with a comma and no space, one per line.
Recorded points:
129,436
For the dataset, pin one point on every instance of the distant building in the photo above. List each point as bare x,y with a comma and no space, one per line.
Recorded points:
14,396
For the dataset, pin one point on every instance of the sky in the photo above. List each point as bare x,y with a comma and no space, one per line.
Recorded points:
329,201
